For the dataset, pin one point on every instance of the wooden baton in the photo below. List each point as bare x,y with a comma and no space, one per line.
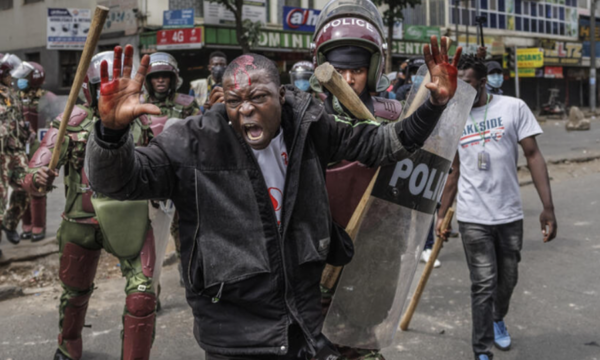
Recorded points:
426,272
89,48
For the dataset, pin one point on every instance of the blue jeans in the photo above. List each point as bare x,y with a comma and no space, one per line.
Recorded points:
493,254
430,239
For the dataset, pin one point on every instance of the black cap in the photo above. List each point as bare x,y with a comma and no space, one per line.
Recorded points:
493,65
349,57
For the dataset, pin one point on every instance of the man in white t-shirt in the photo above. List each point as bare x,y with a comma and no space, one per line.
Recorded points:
490,214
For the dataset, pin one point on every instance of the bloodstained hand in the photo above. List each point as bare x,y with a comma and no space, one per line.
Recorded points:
119,102
443,74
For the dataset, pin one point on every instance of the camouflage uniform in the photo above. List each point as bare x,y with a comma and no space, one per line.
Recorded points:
13,161
179,106
32,210
86,229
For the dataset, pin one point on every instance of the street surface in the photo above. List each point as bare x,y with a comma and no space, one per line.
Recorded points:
554,313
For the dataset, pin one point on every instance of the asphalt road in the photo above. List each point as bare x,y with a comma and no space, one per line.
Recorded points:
554,313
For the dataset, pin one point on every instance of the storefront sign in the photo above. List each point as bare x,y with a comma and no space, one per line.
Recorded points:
584,29
420,33
67,28
553,72
300,19
407,48
179,39
494,44
176,19
525,73
217,14
564,54
530,58
121,17
275,40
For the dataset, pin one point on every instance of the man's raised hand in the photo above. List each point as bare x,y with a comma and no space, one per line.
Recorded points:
443,74
119,102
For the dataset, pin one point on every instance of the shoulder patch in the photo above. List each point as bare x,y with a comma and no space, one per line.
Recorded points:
50,138
77,116
184,100
387,109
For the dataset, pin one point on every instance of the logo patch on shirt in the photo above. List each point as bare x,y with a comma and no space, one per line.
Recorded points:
492,129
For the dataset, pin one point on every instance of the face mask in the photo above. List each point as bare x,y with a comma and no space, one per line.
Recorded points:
303,85
217,73
495,80
22,84
416,79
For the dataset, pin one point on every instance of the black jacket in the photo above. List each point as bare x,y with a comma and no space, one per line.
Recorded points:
246,278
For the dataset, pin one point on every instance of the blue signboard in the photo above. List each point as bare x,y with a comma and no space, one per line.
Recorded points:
300,19
176,19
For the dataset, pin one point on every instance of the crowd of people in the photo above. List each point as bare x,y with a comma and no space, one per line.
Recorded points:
256,181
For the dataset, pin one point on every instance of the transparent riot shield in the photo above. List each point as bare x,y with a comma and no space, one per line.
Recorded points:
371,293
49,107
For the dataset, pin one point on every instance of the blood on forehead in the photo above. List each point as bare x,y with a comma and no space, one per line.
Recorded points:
241,63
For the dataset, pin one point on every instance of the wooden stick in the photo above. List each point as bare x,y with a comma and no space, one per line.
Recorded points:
89,48
333,81
425,276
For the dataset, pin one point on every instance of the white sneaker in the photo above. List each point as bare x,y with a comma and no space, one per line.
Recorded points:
425,258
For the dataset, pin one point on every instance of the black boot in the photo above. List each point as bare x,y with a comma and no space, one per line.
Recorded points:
60,356
26,235
12,235
38,237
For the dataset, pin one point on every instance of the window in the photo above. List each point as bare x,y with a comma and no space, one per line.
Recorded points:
501,7
6,4
68,66
501,21
526,8
484,4
35,57
518,4
32,1
525,24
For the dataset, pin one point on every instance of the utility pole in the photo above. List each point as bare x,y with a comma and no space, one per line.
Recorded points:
456,15
593,57
517,92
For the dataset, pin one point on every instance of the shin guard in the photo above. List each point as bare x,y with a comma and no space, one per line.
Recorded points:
27,219
73,320
138,326
78,266
38,214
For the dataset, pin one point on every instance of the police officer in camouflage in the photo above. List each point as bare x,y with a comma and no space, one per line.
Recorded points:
30,77
14,135
162,82
92,222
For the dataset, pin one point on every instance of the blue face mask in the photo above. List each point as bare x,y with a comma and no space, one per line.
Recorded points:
416,79
22,84
303,85
495,80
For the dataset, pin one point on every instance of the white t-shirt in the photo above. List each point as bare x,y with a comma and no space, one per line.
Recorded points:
493,197
273,161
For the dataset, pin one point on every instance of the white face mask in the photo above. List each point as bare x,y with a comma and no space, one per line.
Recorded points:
495,80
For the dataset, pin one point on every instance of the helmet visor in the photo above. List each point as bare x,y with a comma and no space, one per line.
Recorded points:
93,72
22,71
163,61
11,60
305,75
349,8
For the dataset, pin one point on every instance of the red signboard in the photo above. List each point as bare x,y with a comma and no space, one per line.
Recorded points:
179,39
553,72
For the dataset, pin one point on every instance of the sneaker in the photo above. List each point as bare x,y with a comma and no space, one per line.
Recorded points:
501,336
426,254
483,357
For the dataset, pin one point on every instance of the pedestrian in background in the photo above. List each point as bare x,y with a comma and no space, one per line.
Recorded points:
209,91
490,213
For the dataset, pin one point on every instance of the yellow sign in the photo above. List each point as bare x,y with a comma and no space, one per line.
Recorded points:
525,73
530,58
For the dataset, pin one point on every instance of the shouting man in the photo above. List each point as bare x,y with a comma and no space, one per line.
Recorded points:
253,265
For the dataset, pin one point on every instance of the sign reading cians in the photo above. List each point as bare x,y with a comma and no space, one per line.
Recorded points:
179,39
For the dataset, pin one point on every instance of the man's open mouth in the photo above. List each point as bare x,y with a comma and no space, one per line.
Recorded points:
253,132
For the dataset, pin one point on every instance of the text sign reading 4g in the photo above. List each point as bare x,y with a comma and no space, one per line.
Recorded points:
179,39
416,182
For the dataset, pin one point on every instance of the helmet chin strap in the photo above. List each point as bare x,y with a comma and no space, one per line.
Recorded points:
161,96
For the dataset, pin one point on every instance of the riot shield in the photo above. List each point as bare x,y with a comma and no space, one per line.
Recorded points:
371,293
49,107
160,218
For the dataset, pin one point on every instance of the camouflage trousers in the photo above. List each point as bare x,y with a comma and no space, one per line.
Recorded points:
347,352
13,168
89,237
